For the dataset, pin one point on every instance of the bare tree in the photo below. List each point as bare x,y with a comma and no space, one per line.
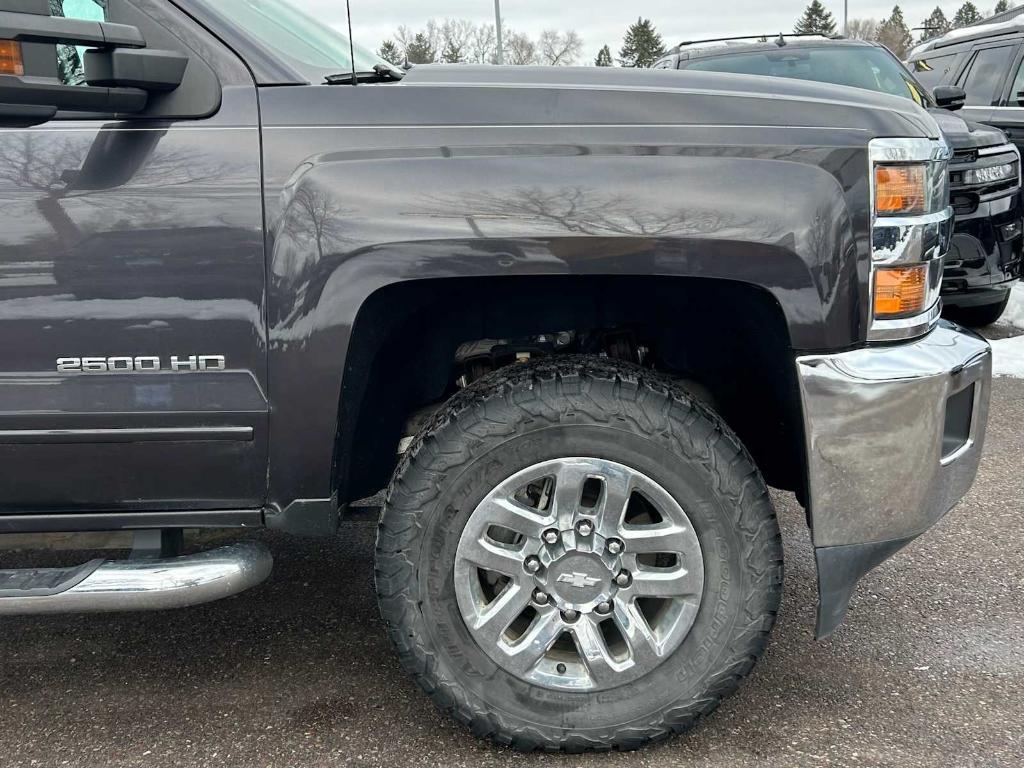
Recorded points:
862,29
421,46
460,40
483,45
560,49
520,49
450,41
458,33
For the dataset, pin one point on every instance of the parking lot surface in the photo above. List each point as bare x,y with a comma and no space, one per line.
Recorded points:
927,670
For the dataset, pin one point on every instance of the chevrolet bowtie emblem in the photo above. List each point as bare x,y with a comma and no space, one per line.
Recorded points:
578,580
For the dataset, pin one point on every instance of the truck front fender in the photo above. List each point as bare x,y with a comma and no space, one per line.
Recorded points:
344,225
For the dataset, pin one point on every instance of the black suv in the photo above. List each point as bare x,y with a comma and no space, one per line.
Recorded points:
987,61
985,256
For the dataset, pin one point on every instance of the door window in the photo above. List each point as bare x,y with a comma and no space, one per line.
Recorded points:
1015,98
985,75
934,70
69,58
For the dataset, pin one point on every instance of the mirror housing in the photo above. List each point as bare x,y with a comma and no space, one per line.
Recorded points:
135,68
120,72
951,97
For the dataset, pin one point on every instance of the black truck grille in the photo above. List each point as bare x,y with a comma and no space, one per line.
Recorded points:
965,197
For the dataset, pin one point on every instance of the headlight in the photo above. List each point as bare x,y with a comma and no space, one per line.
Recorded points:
911,225
901,190
993,173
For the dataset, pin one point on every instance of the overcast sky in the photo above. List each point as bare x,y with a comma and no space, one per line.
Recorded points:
605,21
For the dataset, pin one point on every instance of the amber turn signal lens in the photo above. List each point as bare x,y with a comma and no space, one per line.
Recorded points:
901,291
900,189
10,58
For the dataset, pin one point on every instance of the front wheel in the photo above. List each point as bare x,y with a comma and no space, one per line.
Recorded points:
577,555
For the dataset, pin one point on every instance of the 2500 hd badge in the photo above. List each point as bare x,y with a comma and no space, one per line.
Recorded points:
143,364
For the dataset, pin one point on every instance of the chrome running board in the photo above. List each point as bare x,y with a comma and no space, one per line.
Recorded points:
135,585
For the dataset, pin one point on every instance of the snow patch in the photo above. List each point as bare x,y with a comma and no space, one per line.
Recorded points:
1008,357
1008,354
1014,314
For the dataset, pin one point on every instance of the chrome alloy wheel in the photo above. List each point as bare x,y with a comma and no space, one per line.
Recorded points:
579,574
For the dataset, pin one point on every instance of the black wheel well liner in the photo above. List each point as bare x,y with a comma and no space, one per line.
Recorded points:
728,336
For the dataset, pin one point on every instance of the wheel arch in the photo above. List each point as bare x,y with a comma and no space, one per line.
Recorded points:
730,338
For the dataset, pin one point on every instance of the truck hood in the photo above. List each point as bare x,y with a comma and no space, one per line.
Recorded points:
771,100
965,134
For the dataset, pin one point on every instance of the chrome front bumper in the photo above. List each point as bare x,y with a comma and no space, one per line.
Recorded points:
894,436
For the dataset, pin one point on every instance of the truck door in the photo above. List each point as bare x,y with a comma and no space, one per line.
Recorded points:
1009,115
983,79
133,365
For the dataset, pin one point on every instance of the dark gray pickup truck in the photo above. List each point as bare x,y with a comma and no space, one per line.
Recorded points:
576,321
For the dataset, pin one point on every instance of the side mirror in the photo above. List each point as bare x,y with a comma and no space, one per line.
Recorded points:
120,72
135,68
951,97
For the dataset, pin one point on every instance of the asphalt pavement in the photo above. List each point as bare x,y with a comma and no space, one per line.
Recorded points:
928,669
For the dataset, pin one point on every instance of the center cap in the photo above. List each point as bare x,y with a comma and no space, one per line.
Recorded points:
577,579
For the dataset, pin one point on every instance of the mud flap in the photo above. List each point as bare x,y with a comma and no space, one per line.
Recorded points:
839,570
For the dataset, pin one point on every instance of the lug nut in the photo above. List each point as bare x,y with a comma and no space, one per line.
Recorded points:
550,536
570,615
615,546
584,527
532,564
540,598
604,608
623,578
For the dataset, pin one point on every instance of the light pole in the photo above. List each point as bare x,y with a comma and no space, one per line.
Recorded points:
497,26
846,18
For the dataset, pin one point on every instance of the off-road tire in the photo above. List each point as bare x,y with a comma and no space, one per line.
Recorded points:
562,407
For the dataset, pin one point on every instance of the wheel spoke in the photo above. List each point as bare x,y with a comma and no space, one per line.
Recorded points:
594,652
668,582
522,657
568,487
493,557
491,622
666,537
618,486
510,514
643,645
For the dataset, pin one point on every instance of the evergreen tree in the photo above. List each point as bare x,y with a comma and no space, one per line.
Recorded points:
1002,7
391,53
816,21
894,34
967,15
452,53
935,25
421,50
643,45
604,57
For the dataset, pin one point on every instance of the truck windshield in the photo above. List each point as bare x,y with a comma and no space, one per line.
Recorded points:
874,69
307,43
